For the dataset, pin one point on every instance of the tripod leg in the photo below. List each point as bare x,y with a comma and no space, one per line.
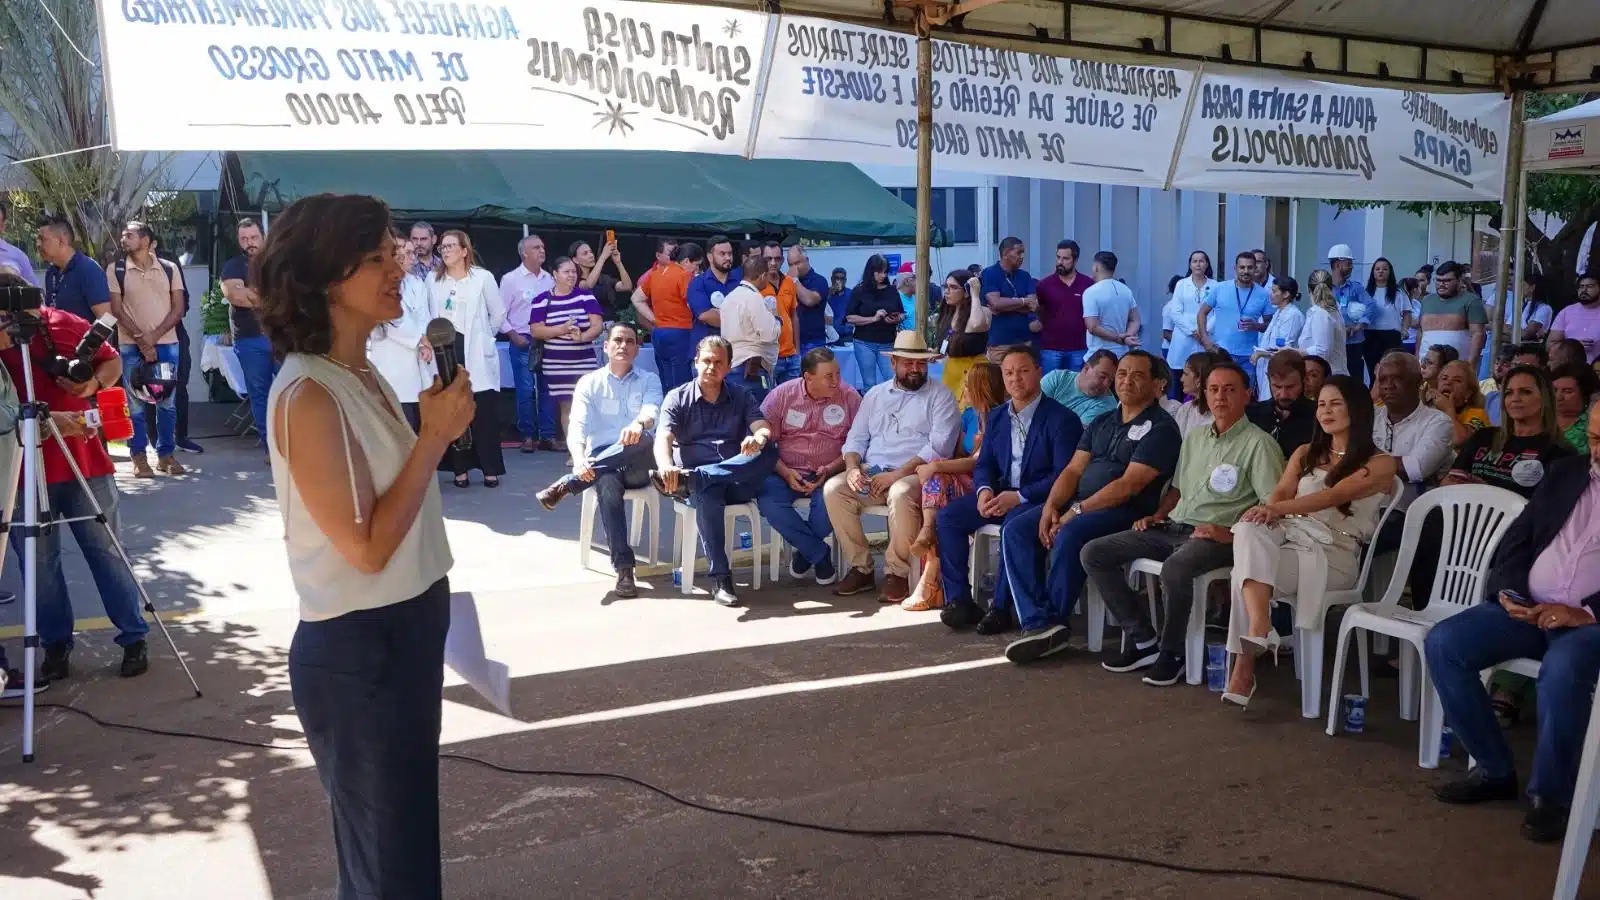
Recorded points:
122,552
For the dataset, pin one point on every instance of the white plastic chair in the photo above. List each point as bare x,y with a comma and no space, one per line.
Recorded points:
883,511
779,548
642,503
1309,649
1194,639
1475,519
1585,805
689,538
980,551
1096,615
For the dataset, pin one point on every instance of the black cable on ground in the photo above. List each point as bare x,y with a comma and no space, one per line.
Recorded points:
880,833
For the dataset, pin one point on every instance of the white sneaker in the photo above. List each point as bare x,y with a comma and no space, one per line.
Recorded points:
14,684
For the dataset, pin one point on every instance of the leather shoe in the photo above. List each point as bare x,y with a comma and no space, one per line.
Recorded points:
895,589
626,588
1545,822
996,622
1478,788
960,615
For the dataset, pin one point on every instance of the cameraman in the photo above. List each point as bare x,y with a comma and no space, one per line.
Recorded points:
119,594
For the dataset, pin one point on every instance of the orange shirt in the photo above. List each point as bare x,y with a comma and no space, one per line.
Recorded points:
787,302
668,290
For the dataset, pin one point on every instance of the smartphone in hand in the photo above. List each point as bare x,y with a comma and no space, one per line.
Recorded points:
1517,598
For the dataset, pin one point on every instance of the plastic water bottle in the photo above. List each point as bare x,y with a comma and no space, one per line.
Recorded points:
744,540
1445,740
1355,713
677,578
1216,668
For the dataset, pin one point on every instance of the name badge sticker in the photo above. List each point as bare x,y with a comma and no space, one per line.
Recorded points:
1527,472
1139,431
794,418
1224,478
833,415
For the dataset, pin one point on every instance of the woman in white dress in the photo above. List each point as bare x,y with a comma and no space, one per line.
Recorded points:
465,293
1187,296
1323,333
1282,332
400,349
1307,539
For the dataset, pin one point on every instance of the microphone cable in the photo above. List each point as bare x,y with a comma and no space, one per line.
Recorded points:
840,830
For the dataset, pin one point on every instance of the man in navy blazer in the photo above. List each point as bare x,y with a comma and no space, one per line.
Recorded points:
1026,443
1543,594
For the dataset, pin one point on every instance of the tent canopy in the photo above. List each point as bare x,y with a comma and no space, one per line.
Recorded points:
553,188
1441,43
1568,141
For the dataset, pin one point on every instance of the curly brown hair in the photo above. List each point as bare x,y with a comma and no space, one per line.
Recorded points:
316,243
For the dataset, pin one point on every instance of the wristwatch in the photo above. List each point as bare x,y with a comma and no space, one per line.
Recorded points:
1076,509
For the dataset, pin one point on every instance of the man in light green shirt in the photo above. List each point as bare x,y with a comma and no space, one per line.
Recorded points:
1087,393
1223,469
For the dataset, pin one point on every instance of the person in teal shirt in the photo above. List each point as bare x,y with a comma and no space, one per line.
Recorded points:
1087,393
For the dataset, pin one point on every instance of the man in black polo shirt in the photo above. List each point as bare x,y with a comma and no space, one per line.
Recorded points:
73,282
1116,477
724,453
1290,416
251,346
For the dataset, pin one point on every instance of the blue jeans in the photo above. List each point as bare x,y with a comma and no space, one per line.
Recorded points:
1462,646
956,524
166,410
1057,360
808,346
366,686
118,592
528,390
788,369
255,357
1045,584
674,356
777,507
756,388
873,364
715,485
617,468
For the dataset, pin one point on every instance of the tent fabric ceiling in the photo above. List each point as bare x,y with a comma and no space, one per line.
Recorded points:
688,191
1443,43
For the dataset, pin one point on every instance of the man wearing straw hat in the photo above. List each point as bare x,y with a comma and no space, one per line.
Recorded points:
901,425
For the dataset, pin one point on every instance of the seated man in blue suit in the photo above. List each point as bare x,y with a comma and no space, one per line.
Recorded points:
1030,439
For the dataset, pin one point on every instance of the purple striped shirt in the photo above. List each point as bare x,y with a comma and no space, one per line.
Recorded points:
565,361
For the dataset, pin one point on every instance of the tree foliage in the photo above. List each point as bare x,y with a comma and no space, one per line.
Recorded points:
1575,199
50,87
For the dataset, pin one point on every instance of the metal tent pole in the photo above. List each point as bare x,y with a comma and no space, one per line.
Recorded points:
1510,225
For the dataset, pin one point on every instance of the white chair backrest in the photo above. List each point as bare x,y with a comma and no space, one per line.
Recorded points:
1475,518
1396,491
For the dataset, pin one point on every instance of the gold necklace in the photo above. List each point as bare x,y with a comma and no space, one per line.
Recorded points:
359,370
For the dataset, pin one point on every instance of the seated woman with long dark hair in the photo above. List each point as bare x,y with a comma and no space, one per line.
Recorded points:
1307,539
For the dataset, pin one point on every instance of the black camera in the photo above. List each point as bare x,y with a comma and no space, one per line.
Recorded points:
18,299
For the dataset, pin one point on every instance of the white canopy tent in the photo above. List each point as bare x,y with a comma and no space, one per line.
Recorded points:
1514,46
1567,142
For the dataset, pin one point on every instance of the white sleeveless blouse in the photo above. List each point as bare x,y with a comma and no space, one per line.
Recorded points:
327,584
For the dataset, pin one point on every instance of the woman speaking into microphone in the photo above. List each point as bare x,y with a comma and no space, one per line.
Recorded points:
365,537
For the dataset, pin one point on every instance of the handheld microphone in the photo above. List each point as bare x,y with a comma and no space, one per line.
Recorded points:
80,368
441,336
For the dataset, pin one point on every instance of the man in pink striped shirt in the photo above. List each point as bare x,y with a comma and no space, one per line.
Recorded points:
810,418
1544,591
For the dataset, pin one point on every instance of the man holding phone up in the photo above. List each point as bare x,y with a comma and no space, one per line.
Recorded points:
810,418
1543,591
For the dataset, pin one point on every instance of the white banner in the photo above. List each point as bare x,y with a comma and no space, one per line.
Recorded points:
413,75
1280,136
845,93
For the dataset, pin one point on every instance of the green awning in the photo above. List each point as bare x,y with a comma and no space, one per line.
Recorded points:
656,191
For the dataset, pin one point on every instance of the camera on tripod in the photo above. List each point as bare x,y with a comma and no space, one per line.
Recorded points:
19,306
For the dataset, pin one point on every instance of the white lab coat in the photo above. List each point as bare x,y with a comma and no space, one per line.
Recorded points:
1185,303
1323,335
474,306
392,348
